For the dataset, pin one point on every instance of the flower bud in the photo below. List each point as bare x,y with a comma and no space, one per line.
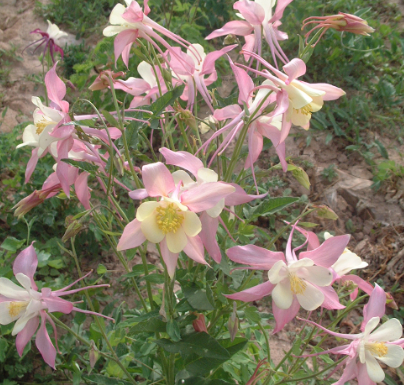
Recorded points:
232,324
199,324
93,355
102,80
230,39
73,227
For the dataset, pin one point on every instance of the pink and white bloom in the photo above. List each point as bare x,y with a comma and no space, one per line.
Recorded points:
258,17
292,281
131,23
27,306
375,344
302,98
196,70
210,218
171,221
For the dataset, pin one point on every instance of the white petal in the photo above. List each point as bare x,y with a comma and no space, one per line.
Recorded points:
146,209
394,357
375,372
207,175
146,72
116,15
215,211
182,176
10,290
24,281
21,322
389,331
5,316
151,230
45,139
297,97
201,52
370,326
176,241
192,224
282,295
113,30
304,262
347,262
311,298
29,137
278,272
307,89
317,275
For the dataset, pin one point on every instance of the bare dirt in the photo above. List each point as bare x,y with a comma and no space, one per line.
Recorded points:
375,219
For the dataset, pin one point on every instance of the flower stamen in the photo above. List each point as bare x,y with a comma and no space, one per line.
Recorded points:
306,110
16,307
297,285
377,348
169,218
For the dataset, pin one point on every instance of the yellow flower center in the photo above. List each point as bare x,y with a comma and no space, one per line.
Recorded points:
306,110
40,126
169,218
297,285
16,307
377,348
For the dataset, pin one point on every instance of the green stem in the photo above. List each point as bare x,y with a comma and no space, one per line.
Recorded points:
264,332
143,252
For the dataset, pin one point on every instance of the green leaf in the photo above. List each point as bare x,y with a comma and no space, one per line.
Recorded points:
307,224
167,99
3,349
173,330
301,176
110,119
197,297
151,325
154,278
268,207
101,380
56,263
132,134
101,269
251,313
203,381
324,211
12,244
139,270
201,344
84,166
382,149
337,128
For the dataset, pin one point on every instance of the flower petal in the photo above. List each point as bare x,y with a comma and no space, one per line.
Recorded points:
282,295
25,335
192,224
317,275
194,249
44,344
146,209
208,236
390,331
26,263
376,306
132,236
278,272
176,241
255,256
254,293
157,180
10,290
394,357
182,159
282,316
170,259
311,298
373,368
151,230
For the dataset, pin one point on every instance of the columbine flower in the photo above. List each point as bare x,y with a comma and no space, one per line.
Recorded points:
172,220
302,98
51,39
258,17
205,177
375,344
292,282
343,22
26,305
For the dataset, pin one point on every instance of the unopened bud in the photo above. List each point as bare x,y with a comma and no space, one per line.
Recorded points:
232,324
199,324
93,355
73,227
230,39
207,124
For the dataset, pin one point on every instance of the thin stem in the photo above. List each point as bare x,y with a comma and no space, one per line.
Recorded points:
264,332
143,252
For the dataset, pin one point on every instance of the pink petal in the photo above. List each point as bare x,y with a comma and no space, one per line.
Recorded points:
133,13
209,61
133,86
331,300
282,317
194,249
249,45
254,293
331,92
312,239
206,195
132,236
254,256
56,89
376,306
44,344
56,304
237,27
157,180
62,169
177,61
125,54
228,112
170,259
251,11
362,284
82,190
294,69
182,159
25,335
240,196
26,263
139,194
255,144
329,252
123,39
31,164
208,236
280,7
244,82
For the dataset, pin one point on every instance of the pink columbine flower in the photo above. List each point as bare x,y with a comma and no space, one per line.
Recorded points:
51,39
210,218
258,16
302,98
196,70
292,281
27,306
371,346
171,220
343,22
131,23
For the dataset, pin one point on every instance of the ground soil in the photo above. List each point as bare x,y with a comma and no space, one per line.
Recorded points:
375,219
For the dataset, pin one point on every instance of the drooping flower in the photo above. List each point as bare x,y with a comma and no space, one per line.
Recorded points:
292,281
375,344
27,306
171,221
258,17
51,39
343,22
210,218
